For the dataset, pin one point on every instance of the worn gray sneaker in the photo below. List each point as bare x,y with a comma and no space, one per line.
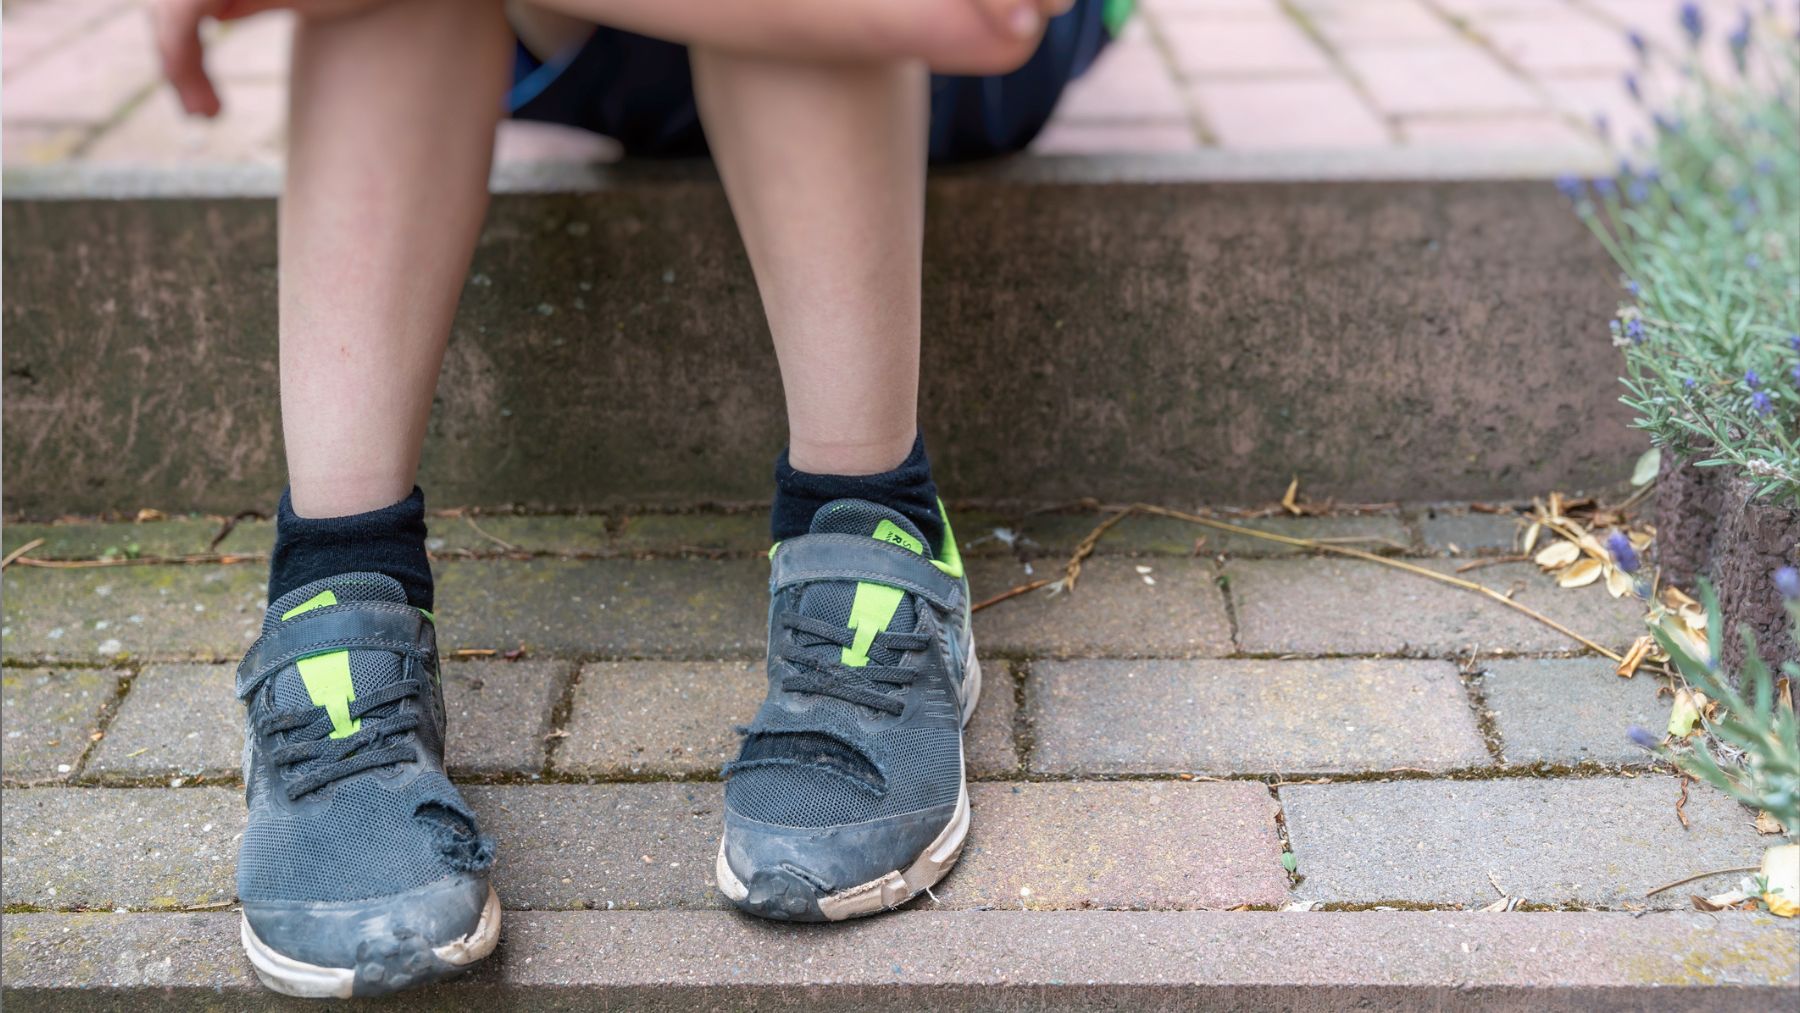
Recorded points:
848,797
362,870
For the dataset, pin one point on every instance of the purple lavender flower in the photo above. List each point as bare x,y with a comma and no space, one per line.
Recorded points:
1641,737
1623,553
1633,89
1605,188
1753,262
1689,383
1787,581
1794,342
1571,187
1638,45
1762,403
1765,166
1739,41
1635,289
1795,373
1692,23
1634,329
1751,379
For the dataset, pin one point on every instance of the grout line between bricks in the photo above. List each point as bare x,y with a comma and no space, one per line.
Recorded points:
1305,23
1024,735
560,713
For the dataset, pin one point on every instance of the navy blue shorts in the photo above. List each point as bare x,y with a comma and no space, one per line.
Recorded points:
638,91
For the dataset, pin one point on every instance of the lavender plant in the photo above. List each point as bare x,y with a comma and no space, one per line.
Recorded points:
1703,218
1752,750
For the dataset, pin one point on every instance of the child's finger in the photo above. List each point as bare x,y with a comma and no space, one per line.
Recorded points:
1020,19
177,27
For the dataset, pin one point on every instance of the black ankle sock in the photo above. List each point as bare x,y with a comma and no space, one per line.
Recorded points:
390,540
907,489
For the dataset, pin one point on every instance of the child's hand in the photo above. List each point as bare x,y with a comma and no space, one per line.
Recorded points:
176,25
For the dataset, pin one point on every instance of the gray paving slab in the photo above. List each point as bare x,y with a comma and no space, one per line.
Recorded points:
1059,534
1113,611
1570,711
48,715
178,721
1002,960
499,714
106,848
1471,534
745,533
176,536
1347,606
1602,841
634,719
172,612
1236,717
1119,845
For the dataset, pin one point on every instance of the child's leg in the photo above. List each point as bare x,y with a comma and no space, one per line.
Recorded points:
847,796
392,120
825,168
361,869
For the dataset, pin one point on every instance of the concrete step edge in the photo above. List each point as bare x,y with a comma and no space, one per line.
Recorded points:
670,960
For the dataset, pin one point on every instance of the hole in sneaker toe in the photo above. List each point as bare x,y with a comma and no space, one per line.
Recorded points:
816,750
467,849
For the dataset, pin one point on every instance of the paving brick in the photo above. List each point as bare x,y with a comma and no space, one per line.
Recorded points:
138,848
1064,137
33,30
582,535
1450,79
1398,22
48,715
1111,613
1249,717
205,612
177,721
173,537
186,720
1472,534
1600,98
1129,845
667,608
1561,41
1168,9
38,144
1569,711
1343,606
1500,9
1128,82
1226,47
603,846
1054,536
1530,131
746,533
249,129
1308,113
678,719
88,80
255,48
1595,841
499,714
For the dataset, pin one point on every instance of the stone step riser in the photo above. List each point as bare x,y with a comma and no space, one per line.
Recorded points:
1189,338
988,960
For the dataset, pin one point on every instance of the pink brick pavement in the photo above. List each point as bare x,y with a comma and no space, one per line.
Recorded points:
80,81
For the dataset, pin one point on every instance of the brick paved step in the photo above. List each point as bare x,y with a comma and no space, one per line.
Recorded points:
623,608
1140,845
992,960
1199,328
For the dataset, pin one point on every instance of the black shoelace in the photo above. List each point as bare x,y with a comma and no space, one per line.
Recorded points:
814,669
370,746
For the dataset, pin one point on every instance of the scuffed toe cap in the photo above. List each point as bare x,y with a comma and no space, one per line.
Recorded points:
390,942
796,873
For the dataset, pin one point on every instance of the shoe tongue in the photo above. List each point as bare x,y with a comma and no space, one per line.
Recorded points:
833,601
319,681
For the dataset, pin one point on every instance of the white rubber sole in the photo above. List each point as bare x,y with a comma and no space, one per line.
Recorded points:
298,978
896,888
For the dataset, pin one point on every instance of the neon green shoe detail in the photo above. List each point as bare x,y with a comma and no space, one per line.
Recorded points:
870,613
327,676
317,601
952,563
888,531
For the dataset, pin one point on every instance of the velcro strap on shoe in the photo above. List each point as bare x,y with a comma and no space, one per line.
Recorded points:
811,558
359,625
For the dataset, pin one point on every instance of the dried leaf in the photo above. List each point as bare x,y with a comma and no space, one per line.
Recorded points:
148,514
1531,537
1503,904
1289,502
1781,876
1581,573
1640,650
1675,598
1766,823
1718,901
1648,463
1618,582
1684,717
1557,555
